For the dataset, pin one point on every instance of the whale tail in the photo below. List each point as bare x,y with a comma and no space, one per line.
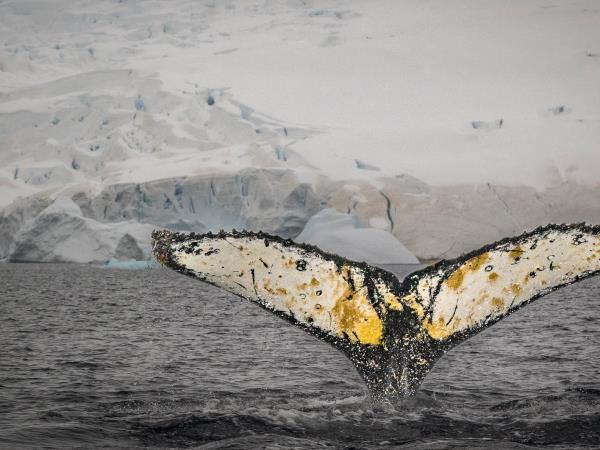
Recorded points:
392,331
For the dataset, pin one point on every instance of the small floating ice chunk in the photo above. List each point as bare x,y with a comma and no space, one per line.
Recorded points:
558,110
131,265
364,166
482,125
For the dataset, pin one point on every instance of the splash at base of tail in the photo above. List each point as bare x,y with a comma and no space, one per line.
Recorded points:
392,331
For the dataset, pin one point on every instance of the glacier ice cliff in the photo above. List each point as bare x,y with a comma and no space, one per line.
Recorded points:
431,222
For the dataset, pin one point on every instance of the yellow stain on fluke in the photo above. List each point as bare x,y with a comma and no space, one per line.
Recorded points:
515,253
516,289
354,314
497,303
455,280
413,303
365,328
390,300
437,329
440,328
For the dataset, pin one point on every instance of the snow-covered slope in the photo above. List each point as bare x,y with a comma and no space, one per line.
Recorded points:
341,234
448,124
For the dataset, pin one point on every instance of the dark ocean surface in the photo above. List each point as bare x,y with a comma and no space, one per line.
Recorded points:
104,358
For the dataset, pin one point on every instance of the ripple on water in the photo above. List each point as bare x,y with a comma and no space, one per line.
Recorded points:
153,359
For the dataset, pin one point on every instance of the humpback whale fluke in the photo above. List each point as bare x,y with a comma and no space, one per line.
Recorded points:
392,331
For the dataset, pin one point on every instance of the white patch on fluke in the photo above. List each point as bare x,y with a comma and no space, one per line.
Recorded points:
284,279
490,284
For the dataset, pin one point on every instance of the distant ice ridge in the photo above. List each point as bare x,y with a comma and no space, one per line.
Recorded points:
343,235
83,225
115,223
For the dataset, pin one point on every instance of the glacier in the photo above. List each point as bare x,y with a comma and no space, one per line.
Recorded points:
117,119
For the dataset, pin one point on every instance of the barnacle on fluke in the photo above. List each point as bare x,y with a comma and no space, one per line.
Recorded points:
392,331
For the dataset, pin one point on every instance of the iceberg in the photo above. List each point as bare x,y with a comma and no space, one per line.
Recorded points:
339,233
131,264
60,233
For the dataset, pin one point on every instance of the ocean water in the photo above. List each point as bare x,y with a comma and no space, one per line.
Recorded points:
106,358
